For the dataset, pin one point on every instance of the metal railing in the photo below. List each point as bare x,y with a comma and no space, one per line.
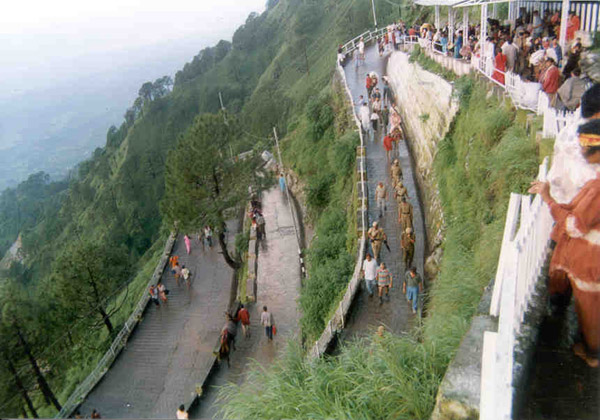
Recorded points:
522,257
84,388
338,319
367,36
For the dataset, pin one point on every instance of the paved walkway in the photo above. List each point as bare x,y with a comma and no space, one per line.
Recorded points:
278,287
367,313
172,347
561,385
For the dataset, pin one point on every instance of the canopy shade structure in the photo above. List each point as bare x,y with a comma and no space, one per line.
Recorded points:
437,2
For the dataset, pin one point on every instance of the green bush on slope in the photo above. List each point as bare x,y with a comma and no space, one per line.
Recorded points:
322,152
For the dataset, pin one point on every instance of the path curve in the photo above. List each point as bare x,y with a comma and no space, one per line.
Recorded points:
172,347
367,314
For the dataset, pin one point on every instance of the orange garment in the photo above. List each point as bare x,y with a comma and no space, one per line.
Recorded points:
577,253
174,260
387,143
572,27
499,66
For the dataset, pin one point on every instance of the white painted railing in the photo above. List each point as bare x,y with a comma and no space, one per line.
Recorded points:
338,319
527,95
367,36
525,249
554,120
372,34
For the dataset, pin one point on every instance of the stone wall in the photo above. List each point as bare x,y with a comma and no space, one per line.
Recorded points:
427,107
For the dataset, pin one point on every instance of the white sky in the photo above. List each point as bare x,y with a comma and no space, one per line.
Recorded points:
37,36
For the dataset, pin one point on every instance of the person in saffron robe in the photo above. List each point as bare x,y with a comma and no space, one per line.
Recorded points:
577,251
499,67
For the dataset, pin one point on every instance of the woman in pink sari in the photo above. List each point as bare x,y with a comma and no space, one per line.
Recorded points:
188,245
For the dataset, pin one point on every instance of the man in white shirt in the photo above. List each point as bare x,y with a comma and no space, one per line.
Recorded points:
361,52
369,272
364,115
510,51
266,320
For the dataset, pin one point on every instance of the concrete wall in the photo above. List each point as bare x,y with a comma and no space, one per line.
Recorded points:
427,108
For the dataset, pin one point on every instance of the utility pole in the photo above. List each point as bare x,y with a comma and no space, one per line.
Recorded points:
222,108
221,101
374,15
287,192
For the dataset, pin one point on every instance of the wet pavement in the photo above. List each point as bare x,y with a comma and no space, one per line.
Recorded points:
172,347
278,287
561,385
396,314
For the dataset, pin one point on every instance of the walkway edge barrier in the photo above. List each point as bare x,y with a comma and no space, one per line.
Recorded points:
525,250
338,320
84,388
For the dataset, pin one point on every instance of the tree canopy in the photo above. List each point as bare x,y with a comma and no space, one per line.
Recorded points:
203,180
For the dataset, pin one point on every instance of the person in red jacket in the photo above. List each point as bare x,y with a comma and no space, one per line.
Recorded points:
550,80
369,84
244,316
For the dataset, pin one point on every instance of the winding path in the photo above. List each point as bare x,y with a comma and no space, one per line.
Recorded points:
171,349
367,314
278,287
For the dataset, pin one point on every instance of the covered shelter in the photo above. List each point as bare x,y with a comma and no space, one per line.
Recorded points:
588,12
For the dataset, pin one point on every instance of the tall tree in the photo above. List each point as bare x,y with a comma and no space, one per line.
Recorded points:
15,318
203,180
86,274
146,91
10,378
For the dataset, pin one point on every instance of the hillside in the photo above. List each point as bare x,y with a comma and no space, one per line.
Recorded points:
276,72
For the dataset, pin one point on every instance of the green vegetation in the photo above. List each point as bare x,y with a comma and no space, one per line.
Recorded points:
417,55
486,156
202,184
377,378
322,152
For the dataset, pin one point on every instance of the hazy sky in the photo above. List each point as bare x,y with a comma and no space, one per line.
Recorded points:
43,41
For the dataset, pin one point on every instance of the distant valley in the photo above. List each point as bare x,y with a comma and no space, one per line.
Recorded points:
52,129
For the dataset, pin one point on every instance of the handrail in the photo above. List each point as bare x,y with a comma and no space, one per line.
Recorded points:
84,388
522,257
337,321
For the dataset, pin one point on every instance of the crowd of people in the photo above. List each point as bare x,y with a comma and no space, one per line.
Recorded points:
530,49
380,117
158,292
